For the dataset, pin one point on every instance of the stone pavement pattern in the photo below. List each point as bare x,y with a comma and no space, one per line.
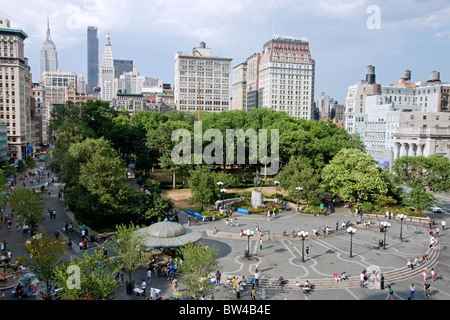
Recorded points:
281,256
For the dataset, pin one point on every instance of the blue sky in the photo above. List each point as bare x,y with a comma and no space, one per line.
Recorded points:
413,34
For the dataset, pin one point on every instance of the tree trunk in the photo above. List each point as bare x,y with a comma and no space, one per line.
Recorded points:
173,180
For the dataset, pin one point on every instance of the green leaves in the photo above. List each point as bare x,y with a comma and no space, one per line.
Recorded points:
352,174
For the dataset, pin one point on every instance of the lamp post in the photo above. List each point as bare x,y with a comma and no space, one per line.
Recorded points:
299,189
220,184
401,217
351,231
303,234
384,225
222,192
249,234
276,187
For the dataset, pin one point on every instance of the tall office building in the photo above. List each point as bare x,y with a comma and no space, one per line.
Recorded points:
108,91
121,66
202,81
239,101
92,59
49,57
286,77
14,89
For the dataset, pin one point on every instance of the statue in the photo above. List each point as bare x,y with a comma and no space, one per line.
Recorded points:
257,180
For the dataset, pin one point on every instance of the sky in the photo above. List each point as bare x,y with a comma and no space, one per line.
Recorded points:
345,36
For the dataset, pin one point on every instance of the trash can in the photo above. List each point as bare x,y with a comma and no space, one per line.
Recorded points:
380,243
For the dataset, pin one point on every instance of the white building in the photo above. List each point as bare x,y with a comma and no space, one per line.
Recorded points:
48,55
286,77
400,119
239,101
81,85
202,82
108,90
15,82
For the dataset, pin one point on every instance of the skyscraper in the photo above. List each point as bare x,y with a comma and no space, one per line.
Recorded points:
286,77
108,91
49,58
92,59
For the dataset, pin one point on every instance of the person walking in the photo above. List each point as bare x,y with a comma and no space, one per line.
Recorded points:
390,295
412,290
433,274
425,274
307,253
253,294
260,243
426,288
218,275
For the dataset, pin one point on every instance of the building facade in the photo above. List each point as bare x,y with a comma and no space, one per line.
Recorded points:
108,90
92,59
202,81
48,54
286,77
14,89
121,66
239,87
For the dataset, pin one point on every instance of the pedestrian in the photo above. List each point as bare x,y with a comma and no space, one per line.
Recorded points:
85,244
253,294
433,274
443,224
260,243
257,275
189,221
390,295
307,253
238,291
144,287
149,275
412,289
80,244
69,244
218,275
425,274
426,288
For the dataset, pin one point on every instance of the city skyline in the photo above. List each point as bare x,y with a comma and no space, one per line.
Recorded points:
412,35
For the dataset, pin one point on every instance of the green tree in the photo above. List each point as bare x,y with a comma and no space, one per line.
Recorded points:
127,245
198,263
353,174
420,199
44,254
431,172
92,277
203,185
28,207
298,173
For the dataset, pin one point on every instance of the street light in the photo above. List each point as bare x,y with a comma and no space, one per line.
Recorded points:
276,187
299,189
384,226
351,231
249,234
223,191
401,217
303,234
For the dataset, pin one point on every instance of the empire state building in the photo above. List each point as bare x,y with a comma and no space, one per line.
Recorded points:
49,58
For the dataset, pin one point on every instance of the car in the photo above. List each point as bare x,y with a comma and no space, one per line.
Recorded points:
436,209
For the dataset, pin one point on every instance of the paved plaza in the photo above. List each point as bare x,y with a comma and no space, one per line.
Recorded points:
282,256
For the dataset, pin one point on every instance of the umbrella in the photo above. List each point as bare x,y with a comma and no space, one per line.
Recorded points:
177,294
10,179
